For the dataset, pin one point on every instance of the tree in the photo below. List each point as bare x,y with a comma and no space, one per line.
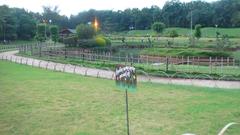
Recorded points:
7,24
52,13
41,32
85,31
198,32
26,24
158,27
54,33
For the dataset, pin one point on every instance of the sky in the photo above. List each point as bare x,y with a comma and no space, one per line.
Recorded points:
73,7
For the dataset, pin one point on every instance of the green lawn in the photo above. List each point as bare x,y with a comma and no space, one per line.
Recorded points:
36,102
206,32
197,52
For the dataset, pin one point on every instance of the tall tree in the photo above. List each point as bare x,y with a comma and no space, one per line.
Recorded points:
54,33
41,32
85,31
8,24
26,24
198,32
158,27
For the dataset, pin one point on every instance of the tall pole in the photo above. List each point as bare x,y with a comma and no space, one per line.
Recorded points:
216,30
4,28
191,19
127,118
45,31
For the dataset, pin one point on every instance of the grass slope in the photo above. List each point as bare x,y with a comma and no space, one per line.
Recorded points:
35,101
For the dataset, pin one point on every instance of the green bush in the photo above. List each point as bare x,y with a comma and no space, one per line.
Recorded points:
108,41
100,42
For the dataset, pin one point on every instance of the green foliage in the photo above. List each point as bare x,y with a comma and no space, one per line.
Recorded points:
54,33
158,27
223,42
174,13
173,34
71,41
198,32
52,13
26,24
101,42
108,41
85,31
224,13
41,32
7,24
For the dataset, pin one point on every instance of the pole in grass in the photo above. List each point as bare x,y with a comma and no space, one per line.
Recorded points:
127,117
126,79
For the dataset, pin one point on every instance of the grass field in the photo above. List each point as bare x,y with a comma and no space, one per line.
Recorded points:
206,32
35,101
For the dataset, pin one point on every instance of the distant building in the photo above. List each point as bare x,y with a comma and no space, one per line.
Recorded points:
67,32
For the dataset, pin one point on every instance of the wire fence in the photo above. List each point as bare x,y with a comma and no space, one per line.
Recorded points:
213,66
108,74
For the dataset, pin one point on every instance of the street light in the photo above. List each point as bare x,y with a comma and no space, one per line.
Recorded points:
96,24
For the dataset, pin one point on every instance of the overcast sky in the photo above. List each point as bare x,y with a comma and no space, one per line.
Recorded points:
68,7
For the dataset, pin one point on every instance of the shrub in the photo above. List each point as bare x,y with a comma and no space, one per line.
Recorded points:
72,41
198,32
173,34
158,27
100,42
108,41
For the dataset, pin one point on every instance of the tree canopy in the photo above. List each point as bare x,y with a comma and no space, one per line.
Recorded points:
158,27
198,32
85,31
54,33
18,23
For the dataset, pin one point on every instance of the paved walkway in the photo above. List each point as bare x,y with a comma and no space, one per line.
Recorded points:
110,74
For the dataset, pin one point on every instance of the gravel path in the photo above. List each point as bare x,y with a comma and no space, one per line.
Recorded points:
110,74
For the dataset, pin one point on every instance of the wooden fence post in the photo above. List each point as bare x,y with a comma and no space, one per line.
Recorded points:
221,65
167,62
210,64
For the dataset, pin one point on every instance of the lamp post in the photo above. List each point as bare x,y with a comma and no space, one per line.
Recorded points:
96,24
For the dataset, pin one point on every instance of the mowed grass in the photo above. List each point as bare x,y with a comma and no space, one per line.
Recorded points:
36,102
206,32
